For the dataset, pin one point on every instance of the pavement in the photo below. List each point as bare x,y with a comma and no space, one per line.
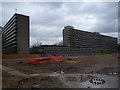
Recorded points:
12,71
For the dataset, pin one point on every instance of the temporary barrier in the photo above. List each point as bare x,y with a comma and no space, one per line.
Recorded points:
44,59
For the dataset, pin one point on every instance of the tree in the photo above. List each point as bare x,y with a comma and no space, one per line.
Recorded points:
59,43
37,44
35,48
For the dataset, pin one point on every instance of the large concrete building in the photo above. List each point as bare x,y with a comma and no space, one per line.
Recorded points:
15,35
83,39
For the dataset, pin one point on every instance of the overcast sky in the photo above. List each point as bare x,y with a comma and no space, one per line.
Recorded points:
47,19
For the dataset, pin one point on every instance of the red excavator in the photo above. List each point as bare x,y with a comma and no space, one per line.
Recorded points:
44,59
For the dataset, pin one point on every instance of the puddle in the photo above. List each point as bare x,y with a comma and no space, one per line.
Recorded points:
35,86
34,75
97,81
113,73
60,72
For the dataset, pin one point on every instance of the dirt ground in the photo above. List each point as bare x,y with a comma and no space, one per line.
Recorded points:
71,64
77,64
11,81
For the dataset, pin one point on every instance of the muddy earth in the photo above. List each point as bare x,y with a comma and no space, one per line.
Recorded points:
62,74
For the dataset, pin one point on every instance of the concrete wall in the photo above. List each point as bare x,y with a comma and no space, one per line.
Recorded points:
68,51
23,34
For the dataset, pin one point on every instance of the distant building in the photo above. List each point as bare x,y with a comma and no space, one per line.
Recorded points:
78,42
15,35
83,39
67,51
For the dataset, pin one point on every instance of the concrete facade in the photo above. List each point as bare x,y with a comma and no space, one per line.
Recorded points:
83,39
15,35
69,51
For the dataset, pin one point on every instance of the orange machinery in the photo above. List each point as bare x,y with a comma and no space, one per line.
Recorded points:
44,59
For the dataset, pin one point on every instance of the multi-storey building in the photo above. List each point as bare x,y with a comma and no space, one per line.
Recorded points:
83,39
15,35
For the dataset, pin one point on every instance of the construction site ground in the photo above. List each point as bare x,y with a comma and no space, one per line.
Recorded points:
72,72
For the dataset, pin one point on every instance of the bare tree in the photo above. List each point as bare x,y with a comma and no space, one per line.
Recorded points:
35,49
37,44
59,43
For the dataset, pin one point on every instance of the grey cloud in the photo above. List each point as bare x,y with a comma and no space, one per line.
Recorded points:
50,5
105,13
106,27
47,19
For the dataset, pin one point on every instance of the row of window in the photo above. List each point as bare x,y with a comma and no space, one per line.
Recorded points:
13,46
11,40
6,29
10,44
12,34
10,21
10,29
